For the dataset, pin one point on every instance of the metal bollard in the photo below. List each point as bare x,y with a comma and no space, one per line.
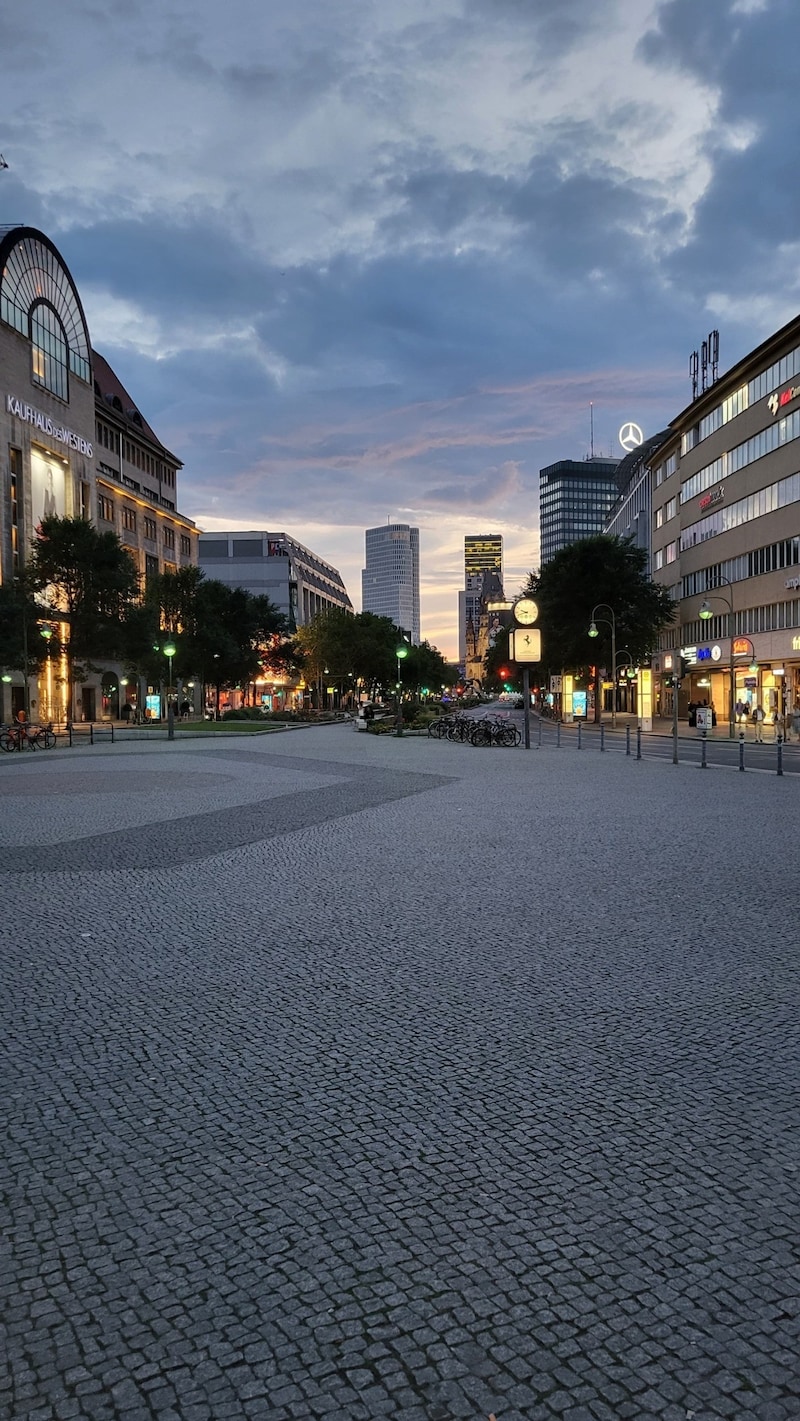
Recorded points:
558,736
627,740
539,741
780,754
579,735
638,742
602,737
741,749
703,765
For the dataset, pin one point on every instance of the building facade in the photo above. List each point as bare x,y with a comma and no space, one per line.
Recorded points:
575,500
73,444
726,536
276,566
630,516
483,552
390,579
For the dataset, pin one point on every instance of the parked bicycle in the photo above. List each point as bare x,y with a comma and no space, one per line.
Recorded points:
495,732
27,737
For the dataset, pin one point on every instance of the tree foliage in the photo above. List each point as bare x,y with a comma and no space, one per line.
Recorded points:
599,570
86,580
362,648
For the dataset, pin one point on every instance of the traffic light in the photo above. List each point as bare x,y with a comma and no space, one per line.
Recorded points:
669,680
683,668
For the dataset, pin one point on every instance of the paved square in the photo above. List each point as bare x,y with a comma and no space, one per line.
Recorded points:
355,1077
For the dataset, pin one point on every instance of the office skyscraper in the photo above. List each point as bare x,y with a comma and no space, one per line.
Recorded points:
483,552
390,580
575,499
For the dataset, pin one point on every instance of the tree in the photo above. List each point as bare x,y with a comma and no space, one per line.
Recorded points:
601,569
20,643
87,580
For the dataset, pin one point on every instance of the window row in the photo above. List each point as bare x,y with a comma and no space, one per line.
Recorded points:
664,555
777,374
783,431
770,617
105,510
756,505
772,557
667,511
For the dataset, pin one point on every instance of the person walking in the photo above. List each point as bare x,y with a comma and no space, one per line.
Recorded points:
758,724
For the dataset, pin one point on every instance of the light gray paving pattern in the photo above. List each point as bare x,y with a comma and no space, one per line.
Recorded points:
419,1082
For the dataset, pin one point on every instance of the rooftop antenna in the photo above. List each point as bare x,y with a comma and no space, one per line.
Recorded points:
591,430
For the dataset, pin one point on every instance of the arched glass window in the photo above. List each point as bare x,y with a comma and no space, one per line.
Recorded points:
49,352
36,286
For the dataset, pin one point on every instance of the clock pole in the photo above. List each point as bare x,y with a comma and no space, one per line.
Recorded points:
526,613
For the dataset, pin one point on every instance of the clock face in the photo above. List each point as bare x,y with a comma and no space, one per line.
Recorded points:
526,611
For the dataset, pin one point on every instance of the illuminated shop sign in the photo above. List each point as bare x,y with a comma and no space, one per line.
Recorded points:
777,401
48,426
709,499
792,583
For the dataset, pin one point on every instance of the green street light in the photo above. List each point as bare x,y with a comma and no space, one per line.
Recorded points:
610,621
401,653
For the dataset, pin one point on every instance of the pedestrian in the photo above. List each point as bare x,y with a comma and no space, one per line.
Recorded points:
796,721
758,724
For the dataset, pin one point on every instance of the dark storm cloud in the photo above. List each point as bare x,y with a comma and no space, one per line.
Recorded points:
173,266
752,202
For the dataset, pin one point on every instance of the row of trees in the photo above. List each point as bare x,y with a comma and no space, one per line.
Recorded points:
362,649
605,570
224,637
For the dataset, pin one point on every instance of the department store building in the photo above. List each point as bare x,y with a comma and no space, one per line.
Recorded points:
73,443
725,499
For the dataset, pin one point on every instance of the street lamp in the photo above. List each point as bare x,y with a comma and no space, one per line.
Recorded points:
401,653
47,633
610,621
169,652
705,615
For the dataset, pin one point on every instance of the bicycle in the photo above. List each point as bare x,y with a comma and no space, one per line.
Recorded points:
22,737
495,732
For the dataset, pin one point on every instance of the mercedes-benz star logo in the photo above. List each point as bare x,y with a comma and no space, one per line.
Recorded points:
630,437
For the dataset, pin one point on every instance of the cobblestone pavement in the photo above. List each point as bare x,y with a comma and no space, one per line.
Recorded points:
358,1077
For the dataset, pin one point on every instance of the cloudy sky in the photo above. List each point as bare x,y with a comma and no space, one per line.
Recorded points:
367,258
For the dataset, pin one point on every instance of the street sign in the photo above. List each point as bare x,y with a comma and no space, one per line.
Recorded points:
555,685
525,646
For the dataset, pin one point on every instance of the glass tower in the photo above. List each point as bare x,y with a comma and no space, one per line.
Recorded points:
390,580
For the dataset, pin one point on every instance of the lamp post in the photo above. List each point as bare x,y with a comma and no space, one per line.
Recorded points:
705,615
610,621
401,653
47,633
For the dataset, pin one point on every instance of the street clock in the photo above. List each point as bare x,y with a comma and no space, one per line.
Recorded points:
526,612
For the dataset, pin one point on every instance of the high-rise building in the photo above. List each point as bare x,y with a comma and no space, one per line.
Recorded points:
575,499
390,580
483,552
